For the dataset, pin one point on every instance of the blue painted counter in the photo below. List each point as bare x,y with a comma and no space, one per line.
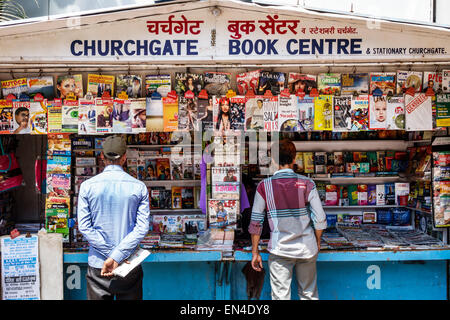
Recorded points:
204,275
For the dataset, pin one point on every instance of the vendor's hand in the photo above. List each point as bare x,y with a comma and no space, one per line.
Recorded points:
108,267
257,262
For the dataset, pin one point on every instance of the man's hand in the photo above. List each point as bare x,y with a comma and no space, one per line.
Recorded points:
257,262
318,245
108,267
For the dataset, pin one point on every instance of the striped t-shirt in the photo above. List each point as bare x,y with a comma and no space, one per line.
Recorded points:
293,205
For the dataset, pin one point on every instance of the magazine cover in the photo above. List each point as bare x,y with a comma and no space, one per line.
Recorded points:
21,117
205,114
176,197
138,115
141,172
15,87
159,83
301,82
418,112
59,144
287,114
395,113
58,184
38,117
248,81
377,112
342,113
329,83
187,114
221,114
188,81
6,117
385,81
132,167
217,83
360,113
433,80
446,81
69,84
187,198
69,121
150,169
408,79
86,117
170,116
323,112
270,107
176,167
163,168
154,113
100,84
254,113
58,164
188,167
130,84
225,182
42,85
273,81
305,109
222,213
355,83
237,113
443,110
121,116
104,109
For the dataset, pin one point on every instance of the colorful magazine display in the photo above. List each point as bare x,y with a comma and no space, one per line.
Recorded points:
355,83
288,114
68,84
329,83
217,83
187,114
323,112
157,83
408,79
248,81
69,121
272,81
138,114
221,114
225,182
342,113
104,110
385,81
86,117
305,109
100,84
129,84
6,117
299,82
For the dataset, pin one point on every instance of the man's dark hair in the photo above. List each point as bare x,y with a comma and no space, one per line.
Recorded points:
20,109
286,152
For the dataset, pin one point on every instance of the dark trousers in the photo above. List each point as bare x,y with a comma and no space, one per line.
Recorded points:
108,288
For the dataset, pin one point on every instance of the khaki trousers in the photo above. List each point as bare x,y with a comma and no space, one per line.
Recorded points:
281,271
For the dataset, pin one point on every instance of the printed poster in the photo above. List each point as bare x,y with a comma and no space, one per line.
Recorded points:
418,112
20,268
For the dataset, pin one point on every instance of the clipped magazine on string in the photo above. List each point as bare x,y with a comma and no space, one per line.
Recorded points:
134,260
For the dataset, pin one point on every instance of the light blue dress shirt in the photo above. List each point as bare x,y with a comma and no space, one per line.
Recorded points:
113,215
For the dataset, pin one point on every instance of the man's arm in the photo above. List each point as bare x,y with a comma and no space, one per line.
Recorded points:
128,244
255,229
95,238
318,215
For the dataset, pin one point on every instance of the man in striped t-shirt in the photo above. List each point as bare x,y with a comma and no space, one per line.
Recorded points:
293,207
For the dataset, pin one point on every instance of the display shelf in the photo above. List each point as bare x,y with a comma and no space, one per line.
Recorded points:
175,211
351,145
419,210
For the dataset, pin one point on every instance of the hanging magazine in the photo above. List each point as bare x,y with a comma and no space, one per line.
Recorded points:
385,81
130,84
104,109
432,80
21,117
377,112
225,182
323,112
418,112
170,116
248,81
41,85
301,82
188,81
38,117
217,83
223,213
237,113
443,110
100,84
159,83
86,117
305,109
287,114
360,113
408,79
16,87
221,114
355,83
329,83
187,113
154,113
205,114
121,115
270,107
54,116
138,115
68,84
6,117
446,81
342,113
396,113
254,113
273,81
69,122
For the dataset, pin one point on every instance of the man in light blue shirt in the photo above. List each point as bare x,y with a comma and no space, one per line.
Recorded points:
114,216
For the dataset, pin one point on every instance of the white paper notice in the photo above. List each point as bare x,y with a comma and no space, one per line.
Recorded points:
135,259
20,268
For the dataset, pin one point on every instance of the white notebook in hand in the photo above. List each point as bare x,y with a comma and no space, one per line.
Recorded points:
135,259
